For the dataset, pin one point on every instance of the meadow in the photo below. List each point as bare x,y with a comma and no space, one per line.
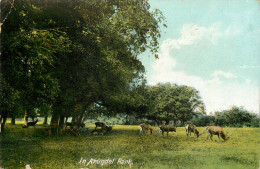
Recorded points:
22,146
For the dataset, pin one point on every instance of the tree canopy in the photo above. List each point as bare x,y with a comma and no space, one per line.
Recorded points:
166,102
233,117
71,54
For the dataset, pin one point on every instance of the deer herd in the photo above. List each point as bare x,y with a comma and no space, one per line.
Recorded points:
103,127
145,129
190,128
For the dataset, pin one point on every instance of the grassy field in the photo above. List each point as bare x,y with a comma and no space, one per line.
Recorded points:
21,146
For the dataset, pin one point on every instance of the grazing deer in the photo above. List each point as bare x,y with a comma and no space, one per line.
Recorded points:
103,126
166,128
108,128
192,128
145,128
73,124
99,124
216,130
32,123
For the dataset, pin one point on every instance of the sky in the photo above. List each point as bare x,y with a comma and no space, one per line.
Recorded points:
213,46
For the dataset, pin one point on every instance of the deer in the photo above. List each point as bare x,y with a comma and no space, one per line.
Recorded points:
99,124
192,128
145,128
106,128
216,130
103,127
32,123
166,128
73,124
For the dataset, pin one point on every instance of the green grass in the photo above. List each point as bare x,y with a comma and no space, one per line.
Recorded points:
21,146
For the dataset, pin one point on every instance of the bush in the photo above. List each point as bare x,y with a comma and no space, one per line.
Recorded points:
203,120
255,122
238,125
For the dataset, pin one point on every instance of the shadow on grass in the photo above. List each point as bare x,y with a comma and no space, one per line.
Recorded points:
21,146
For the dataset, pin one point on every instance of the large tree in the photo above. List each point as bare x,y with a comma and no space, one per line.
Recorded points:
235,116
27,61
72,54
5,10
168,102
103,61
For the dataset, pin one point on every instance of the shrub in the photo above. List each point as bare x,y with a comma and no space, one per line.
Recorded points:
255,122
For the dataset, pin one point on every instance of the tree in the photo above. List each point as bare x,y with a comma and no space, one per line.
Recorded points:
237,116
172,102
255,121
27,59
10,99
220,119
5,10
203,120
72,54
102,71
190,103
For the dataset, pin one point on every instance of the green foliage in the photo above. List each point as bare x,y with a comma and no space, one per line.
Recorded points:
237,116
234,117
28,58
72,54
8,96
255,122
220,119
204,120
167,102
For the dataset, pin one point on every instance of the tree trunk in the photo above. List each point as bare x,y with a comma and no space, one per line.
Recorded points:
0,123
175,122
55,120
4,117
3,124
80,119
55,123
25,118
0,71
167,121
45,120
73,119
84,119
66,119
182,123
158,122
77,119
61,123
13,120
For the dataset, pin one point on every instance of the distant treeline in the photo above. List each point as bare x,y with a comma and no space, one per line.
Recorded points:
235,117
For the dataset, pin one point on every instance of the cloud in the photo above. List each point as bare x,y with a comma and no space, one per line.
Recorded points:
250,66
248,81
189,34
216,93
232,31
220,73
